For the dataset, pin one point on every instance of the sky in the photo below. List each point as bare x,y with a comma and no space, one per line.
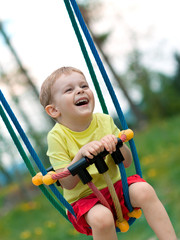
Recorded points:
41,33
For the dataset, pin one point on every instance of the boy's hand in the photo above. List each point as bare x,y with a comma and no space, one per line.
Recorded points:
92,149
109,142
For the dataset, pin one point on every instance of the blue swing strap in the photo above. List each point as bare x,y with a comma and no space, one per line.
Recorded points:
126,191
32,152
110,89
106,79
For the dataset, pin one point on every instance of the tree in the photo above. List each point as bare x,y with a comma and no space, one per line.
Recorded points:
176,77
160,93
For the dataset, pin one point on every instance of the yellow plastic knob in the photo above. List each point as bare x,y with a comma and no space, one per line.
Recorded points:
136,213
123,226
128,133
47,179
37,179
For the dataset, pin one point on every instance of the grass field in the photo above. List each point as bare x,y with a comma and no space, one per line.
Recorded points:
159,151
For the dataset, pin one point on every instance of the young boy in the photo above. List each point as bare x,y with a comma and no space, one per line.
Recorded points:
67,98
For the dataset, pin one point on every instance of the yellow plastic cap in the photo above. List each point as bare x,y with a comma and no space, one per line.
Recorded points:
128,133
123,226
136,213
47,179
37,179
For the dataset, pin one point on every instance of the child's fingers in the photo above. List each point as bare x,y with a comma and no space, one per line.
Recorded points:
97,147
109,143
93,149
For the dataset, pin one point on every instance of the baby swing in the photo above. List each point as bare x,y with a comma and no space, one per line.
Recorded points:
49,177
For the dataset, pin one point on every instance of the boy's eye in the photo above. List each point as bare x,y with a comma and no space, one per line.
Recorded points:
84,86
68,90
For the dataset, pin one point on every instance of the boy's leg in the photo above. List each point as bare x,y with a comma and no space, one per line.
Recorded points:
143,195
102,223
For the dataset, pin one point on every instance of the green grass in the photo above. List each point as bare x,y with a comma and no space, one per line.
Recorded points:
158,150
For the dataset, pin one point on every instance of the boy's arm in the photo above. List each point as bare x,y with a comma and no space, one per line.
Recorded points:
127,155
71,181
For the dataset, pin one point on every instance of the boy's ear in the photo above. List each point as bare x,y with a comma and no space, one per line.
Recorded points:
52,111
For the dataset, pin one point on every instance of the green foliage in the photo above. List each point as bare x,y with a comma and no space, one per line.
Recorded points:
160,93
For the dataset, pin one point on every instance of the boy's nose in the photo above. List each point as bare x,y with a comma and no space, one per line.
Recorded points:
80,90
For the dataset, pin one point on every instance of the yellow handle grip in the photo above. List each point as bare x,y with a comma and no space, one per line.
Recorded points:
128,133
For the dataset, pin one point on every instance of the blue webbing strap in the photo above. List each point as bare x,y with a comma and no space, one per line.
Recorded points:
107,81
126,190
113,96
32,152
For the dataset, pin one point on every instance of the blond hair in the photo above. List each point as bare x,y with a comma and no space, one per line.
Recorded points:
45,92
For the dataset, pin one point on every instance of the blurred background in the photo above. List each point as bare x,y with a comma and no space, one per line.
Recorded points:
138,42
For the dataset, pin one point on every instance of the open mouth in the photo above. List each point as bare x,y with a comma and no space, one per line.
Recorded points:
82,102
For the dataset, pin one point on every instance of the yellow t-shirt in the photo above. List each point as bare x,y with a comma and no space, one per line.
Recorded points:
63,145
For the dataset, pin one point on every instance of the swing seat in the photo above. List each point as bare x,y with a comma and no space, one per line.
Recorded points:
80,167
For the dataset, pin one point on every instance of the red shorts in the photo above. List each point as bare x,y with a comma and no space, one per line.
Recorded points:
83,205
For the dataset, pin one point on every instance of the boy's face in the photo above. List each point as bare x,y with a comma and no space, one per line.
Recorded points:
72,98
